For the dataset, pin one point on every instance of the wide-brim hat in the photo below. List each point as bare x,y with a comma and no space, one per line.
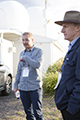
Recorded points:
70,16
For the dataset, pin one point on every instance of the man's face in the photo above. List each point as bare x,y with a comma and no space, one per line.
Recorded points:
69,31
27,41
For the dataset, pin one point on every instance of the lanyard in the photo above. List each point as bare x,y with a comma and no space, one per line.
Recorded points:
32,52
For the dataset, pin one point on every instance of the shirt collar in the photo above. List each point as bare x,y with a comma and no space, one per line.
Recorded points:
73,42
29,50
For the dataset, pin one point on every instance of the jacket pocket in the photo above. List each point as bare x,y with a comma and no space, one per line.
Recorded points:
69,87
70,63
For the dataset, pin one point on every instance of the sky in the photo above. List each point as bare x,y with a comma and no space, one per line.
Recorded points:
55,12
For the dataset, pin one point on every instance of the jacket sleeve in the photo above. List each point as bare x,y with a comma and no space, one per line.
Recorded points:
35,63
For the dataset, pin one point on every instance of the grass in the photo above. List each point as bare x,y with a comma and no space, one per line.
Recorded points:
12,109
49,110
15,118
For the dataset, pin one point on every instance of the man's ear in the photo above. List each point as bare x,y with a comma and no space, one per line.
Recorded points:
78,27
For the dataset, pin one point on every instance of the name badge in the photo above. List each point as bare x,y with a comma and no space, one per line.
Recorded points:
25,71
58,81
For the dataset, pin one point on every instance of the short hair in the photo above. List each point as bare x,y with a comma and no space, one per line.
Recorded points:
28,33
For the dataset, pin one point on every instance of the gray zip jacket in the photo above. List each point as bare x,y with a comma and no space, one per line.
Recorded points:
33,60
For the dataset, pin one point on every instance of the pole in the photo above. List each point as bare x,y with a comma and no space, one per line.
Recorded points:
45,18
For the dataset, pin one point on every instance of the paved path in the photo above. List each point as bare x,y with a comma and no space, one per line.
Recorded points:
9,106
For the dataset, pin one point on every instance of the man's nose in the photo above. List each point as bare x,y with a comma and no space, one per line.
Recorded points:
62,30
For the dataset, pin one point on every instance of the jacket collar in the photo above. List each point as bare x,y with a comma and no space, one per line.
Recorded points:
76,44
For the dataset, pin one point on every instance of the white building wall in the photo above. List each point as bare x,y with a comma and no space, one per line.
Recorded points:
46,47
7,56
51,54
19,48
56,54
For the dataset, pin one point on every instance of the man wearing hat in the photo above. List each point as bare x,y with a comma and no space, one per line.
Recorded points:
67,91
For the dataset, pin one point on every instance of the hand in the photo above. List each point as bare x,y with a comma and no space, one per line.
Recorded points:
21,60
15,89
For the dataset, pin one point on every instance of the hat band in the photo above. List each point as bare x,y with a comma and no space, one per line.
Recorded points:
71,20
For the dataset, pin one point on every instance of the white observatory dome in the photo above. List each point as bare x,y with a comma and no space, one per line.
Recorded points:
37,20
13,15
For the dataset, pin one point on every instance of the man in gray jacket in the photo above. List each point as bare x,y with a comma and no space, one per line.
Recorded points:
28,80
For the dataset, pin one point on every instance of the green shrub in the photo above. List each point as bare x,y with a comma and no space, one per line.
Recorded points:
56,66
49,82
51,76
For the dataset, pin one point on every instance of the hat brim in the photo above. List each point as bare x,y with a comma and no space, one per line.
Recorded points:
66,21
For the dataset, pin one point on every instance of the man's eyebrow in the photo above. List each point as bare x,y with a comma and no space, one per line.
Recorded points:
25,39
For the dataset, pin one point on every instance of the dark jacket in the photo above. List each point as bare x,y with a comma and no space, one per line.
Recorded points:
67,95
